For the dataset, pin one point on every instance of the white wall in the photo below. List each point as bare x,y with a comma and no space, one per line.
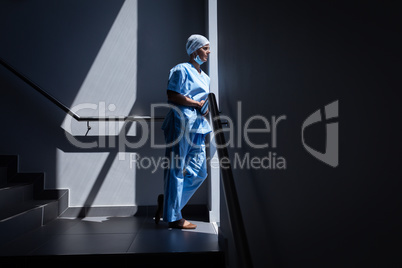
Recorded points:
99,58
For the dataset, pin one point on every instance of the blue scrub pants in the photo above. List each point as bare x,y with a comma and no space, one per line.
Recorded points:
186,173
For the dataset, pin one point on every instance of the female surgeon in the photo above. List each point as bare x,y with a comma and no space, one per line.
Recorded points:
185,129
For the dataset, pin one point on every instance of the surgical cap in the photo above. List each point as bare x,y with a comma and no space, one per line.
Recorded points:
195,42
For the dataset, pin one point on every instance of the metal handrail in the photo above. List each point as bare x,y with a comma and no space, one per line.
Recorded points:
68,110
229,187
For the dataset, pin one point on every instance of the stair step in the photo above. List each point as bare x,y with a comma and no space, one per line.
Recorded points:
60,195
15,210
19,219
14,194
37,179
25,204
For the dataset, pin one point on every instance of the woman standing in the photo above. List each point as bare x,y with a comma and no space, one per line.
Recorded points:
185,129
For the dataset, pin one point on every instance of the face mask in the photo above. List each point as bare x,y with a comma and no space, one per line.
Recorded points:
198,60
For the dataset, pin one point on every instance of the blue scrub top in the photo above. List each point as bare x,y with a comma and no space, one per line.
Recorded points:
186,80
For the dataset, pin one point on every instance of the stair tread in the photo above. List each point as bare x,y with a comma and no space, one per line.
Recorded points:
11,185
14,210
25,202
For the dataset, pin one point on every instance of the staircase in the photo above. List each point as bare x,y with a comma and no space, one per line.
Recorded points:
24,203
33,231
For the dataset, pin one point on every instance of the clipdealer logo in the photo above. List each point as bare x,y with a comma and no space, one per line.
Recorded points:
239,134
331,154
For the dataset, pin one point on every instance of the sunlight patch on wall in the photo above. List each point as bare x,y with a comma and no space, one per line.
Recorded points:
96,179
100,178
110,87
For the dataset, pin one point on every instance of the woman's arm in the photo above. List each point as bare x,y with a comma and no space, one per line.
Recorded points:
180,99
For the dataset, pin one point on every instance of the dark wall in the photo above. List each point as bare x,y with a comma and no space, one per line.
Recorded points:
291,58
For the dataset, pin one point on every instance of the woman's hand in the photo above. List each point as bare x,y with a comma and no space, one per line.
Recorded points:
180,99
201,103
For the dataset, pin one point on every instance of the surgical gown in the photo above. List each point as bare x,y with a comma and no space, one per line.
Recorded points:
185,129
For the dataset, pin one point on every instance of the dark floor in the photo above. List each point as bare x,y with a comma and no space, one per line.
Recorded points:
120,240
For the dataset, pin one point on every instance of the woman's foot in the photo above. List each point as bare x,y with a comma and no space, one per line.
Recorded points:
159,210
182,224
